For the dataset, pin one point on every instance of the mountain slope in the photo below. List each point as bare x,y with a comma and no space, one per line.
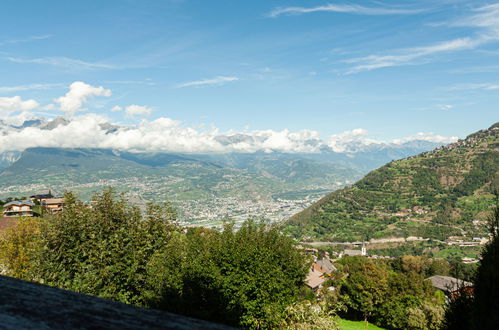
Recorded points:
200,186
435,194
291,168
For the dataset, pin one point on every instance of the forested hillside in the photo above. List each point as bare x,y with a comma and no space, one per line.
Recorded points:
435,194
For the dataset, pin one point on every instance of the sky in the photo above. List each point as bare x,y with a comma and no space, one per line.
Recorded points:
281,70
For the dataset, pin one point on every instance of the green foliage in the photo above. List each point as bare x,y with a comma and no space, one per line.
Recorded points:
305,315
390,294
364,289
459,313
103,250
246,277
18,246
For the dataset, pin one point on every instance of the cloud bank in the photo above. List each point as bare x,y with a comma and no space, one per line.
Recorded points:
169,135
20,129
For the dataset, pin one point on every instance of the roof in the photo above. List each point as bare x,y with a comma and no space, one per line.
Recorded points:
43,194
314,279
19,203
53,201
325,265
448,283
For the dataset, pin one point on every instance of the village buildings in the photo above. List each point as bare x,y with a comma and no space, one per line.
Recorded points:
35,206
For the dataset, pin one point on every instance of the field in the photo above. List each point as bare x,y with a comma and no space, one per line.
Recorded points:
356,325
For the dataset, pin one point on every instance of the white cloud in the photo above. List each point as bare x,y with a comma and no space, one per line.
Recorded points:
16,41
474,86
485,19
350,9
148,82
15,103
20,88
350,140
427,136
213,81
133,110
78,95
445,106
410,55
62,62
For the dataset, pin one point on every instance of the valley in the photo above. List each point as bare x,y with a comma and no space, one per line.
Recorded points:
206,189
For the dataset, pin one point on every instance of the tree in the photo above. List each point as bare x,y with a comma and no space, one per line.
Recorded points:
388,295
245,278
19,246
364,290
103,250
486,302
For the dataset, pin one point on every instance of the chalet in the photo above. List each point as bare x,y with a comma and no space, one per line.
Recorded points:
19,209
53,205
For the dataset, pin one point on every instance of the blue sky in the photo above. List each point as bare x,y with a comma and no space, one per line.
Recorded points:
391,68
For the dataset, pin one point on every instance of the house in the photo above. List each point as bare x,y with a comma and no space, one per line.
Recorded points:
325,266
19,209
319,271
451,286
53,205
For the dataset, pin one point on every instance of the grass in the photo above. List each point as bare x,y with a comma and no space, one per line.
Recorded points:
356,325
